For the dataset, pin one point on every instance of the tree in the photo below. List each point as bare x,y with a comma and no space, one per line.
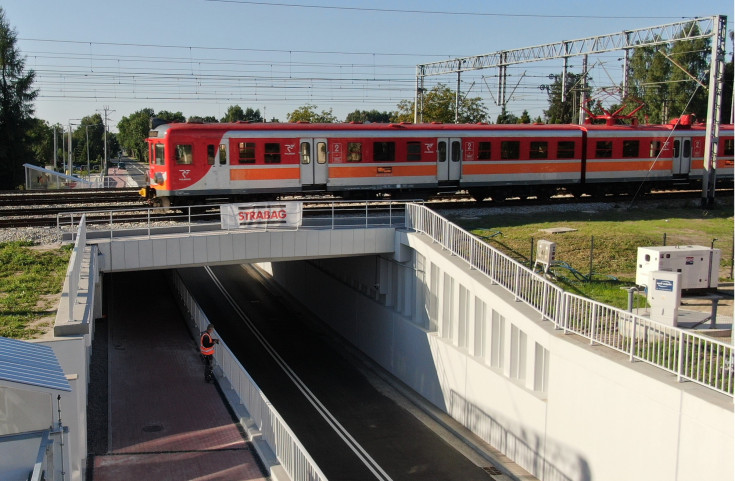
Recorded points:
661,78
691,58
368,116
41,141
439,106
727,85
565,112
506,117
525,118
16,108
132,132
307,113
235,113
171,117
92,128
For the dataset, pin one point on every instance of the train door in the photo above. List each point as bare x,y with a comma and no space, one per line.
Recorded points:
448,159
313,157
217,158
682,156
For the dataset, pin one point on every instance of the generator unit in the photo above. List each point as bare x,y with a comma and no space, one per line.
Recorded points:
699,266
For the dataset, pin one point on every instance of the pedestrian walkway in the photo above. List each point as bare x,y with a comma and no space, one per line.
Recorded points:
165,422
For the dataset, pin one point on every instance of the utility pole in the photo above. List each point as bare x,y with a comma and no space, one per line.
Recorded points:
54,148
104,168
69,158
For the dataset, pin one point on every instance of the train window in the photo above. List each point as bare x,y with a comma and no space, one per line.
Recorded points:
603,149
384,151
565,150
183,154
456,150
247,152
222,154
442,152
483,151
306,153
210,154
272,153
655,148
413,150
321,152
160,157
729,148
510,149
630,148
354,152
539,150
676,148
687,148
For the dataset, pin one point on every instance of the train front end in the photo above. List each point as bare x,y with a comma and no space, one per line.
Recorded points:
184,160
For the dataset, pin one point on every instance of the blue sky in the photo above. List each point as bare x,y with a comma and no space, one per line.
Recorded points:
201,56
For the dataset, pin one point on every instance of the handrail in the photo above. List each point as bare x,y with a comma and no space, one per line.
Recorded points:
688,355
320,214
292,455
75,265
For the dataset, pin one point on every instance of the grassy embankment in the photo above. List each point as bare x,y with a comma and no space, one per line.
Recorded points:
607,241
30,282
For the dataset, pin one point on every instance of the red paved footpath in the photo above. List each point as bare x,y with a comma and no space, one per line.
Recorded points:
166,423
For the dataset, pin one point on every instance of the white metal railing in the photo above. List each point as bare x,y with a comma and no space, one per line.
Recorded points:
687,355
292,455
149,221
39,178
75,265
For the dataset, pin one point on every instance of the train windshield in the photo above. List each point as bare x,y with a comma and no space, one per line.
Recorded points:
159,154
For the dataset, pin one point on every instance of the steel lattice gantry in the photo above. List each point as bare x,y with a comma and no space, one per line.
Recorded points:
704,27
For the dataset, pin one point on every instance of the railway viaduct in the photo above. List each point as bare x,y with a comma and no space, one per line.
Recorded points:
463,327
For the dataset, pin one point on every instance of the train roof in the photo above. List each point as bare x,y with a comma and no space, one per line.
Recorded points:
406,127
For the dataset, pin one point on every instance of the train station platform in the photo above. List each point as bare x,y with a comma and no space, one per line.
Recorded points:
165,422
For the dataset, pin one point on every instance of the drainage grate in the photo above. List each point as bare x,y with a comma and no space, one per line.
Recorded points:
492,470
152,428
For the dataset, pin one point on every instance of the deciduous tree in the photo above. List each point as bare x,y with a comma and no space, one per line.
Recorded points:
132,132
439,106
368,116
308,113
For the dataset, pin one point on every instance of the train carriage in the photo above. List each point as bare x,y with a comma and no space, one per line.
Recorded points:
196,163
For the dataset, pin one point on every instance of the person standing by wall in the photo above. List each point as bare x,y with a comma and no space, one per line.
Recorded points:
206,348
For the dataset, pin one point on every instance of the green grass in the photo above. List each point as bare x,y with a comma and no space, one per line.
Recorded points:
608,239
30,281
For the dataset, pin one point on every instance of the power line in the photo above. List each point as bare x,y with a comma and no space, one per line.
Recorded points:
433,12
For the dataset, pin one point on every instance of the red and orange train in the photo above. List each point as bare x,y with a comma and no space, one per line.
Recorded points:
193,163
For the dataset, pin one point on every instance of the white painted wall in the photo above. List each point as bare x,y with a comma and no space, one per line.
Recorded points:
73,357
601,417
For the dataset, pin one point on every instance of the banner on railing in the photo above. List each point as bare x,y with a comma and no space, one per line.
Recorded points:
261,215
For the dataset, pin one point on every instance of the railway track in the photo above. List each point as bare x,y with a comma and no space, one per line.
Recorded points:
125,205
81,196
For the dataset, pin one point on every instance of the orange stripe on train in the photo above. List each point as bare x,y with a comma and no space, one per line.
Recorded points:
520,168
265,174
354,172
628,165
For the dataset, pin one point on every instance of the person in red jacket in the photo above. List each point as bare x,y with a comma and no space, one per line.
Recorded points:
206,348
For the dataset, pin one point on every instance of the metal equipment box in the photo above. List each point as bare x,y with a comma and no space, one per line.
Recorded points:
699,266
545,254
